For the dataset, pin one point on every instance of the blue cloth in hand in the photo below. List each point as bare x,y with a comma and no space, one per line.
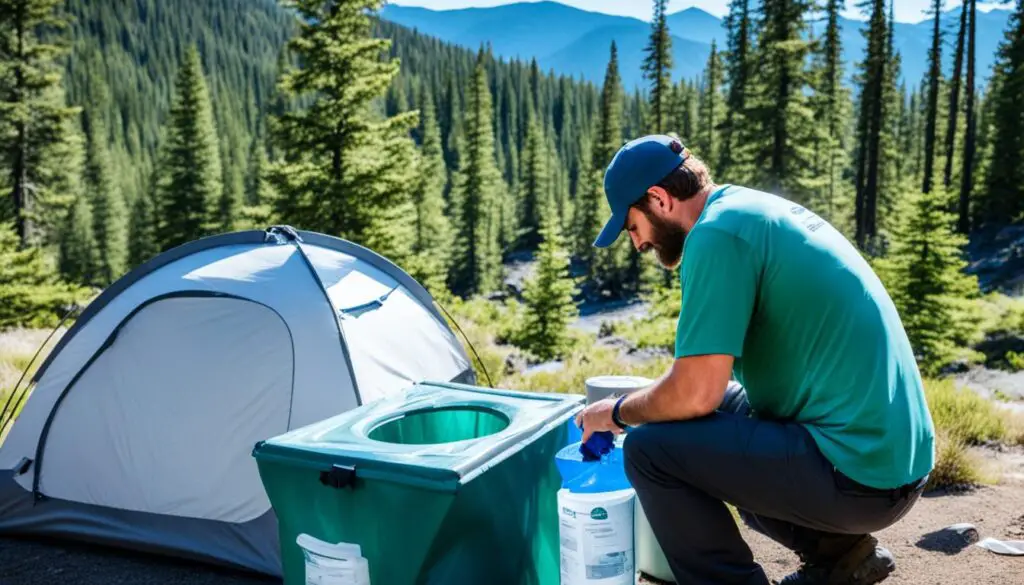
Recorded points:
597,445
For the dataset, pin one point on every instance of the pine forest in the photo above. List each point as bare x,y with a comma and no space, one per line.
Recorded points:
129,127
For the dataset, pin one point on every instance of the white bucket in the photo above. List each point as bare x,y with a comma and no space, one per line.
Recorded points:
650,559
596,537
600,387
333,564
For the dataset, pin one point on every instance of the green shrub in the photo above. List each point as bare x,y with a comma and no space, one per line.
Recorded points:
963,414
999,313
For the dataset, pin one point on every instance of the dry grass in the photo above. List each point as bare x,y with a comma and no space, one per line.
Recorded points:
17,347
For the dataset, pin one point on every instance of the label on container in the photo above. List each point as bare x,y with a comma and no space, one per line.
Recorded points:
596,539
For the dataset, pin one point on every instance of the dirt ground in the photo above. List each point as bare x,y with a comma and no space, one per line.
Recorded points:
922,558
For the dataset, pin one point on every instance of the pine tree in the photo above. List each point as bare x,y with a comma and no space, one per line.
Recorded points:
657,68
968,162
954,97
109,213
535,183
738,26
934,81
712,108
34,119
433,228
831,105
79,258
346,169
606,265
32,293
260,196
1004,183
548,295
779,125
892,183
924,273
231,201
477,258
872,80
190,165
143,243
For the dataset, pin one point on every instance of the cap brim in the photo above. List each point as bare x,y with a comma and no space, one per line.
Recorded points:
611,230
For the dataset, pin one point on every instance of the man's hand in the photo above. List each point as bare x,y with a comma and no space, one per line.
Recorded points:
597,417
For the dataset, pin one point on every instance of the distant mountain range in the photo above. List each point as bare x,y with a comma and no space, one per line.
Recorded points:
576,42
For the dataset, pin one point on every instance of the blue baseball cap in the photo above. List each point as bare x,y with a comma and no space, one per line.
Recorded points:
636,167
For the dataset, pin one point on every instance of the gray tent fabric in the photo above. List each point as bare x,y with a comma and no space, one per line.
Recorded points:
140,424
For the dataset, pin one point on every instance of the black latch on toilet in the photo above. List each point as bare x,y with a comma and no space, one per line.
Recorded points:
339,476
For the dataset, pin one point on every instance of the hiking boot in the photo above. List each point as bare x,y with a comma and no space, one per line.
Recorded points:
865,563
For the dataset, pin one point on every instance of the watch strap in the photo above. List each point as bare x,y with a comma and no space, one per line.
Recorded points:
615,412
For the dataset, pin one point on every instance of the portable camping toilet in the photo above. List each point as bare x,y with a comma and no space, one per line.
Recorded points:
139,429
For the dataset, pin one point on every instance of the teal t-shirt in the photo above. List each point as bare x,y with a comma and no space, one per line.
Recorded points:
816,337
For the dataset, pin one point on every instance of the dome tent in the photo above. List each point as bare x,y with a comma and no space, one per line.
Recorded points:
139,430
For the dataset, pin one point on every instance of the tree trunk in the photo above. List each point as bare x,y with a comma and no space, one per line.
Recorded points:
954,97
963,225
19,189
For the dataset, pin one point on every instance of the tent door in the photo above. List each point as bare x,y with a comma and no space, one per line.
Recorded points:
164,417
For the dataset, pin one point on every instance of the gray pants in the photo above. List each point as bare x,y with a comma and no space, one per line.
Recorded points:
771,471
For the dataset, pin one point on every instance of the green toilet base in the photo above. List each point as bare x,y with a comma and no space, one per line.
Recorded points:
499,526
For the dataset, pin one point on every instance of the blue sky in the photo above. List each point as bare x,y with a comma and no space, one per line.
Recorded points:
906,10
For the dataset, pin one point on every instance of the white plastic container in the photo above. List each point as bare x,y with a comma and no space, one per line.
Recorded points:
600,387
650,559
596,536
333,564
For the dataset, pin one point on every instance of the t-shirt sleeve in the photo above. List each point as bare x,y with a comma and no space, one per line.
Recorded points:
719,277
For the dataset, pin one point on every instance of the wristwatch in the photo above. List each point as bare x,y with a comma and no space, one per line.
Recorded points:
615,412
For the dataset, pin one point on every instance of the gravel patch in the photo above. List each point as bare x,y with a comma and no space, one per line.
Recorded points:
41,561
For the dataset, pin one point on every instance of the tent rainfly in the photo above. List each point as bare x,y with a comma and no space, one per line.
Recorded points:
139,429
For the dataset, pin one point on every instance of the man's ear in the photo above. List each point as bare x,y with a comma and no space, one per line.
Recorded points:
661,198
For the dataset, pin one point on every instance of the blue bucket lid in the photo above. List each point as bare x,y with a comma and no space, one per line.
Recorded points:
579,476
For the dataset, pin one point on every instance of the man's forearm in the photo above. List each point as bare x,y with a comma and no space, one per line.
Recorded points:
686,391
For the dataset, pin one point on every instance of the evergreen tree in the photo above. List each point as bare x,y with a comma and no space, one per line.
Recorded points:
260,196
657,68
231,201
346,169
32,293
934,81
1004,183
191,167
79,258
738,26
606,265
109,213
535,183
143,243
433,228
872,82
831,106
954,97
548,295
34,119
892,184
779,125
477,258
924,273
967,171
712,108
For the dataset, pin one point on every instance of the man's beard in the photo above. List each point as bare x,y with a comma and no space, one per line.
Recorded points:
667,240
